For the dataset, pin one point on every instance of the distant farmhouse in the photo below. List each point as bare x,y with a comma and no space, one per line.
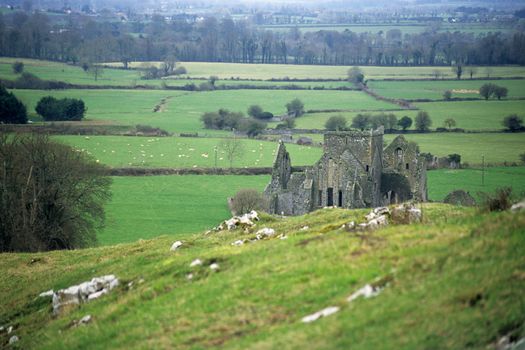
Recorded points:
354,172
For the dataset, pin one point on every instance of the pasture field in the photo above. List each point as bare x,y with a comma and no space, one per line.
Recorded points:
280,71
441,182
146,207
473,115
48,70
235,71
434,89
182,152
479,115
405,28
497,148
183,109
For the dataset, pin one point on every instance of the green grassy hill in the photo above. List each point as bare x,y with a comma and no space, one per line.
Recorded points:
456,281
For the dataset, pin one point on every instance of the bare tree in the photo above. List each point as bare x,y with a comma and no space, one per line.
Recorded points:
234,149
471,70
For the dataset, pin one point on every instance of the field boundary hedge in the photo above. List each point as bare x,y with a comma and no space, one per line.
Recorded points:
194,171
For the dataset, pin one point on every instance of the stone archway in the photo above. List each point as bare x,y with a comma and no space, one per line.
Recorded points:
395,188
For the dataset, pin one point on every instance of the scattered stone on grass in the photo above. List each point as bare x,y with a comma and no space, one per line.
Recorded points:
9,329
406,214
319,314
518,206
239,242
189,276
505,343
175,246
214,267
368,291
304,228
244,221
196,262
48,293
83,292
13,340
264,233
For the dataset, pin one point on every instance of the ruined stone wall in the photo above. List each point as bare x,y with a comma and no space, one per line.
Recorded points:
402,157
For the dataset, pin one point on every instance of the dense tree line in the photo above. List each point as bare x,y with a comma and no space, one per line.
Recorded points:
223,40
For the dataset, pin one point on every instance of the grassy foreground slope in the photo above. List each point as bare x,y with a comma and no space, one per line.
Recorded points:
457,282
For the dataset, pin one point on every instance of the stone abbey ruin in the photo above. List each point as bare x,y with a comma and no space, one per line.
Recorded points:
355,171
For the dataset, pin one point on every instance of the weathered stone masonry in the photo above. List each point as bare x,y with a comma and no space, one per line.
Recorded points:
354,172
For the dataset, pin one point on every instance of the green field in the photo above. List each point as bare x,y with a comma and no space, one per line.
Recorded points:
280,71
434,89
183,110
376,28
478,115
459,274
473,115
182,152
146,207
442,182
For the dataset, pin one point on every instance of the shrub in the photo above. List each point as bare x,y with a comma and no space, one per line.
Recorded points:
423,121
499,201
449,123
252,127
405,122
254,111
265,116
12,111
247,200
500,91
18,67
447,95
336,123
65,109
513,123
288,123
223,119
361,121
355,75
180,71
522,158
52,196
295,108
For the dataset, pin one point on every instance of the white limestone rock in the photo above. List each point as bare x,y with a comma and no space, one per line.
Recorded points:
46,294
368,291
13,340
214,267
196,262
518,206
266,232
319,314
175,246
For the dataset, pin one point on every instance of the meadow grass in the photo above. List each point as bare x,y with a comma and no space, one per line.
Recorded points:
443,181
479,115
183,109
280,71
146,207
434,89
473,115
182,152
445,278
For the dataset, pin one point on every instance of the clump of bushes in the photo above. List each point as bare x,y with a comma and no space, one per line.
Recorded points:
65,109
12,111
52,198
490,89
513,123
256,111
247,200
499,201
224,119
18,67
336,123
364,121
